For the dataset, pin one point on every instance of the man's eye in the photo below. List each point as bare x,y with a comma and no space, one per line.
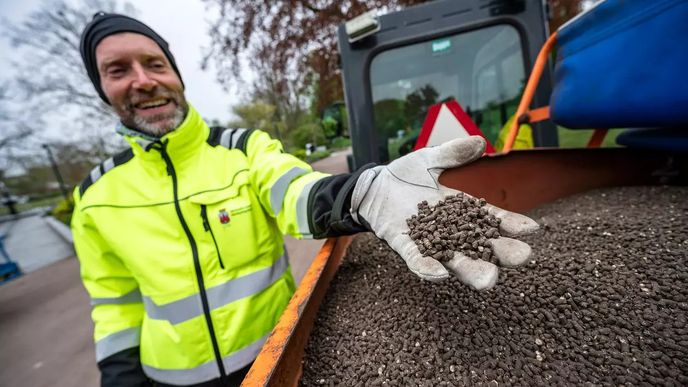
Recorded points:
115,71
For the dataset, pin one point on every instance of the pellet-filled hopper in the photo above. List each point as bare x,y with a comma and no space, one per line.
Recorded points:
518,181
521,180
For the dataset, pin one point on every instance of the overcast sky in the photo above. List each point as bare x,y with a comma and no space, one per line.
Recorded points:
183,23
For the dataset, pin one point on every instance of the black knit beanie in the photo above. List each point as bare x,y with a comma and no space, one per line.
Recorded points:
106,24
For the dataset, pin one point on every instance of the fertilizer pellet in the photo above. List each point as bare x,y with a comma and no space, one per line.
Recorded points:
456,224
604,301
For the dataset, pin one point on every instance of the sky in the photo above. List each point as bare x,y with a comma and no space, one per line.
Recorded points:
184,24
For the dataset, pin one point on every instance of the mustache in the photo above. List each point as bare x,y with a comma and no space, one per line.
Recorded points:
136,96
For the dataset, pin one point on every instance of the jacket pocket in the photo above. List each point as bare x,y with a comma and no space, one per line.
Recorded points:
227,219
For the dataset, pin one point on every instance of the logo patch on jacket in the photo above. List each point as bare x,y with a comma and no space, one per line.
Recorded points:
223,215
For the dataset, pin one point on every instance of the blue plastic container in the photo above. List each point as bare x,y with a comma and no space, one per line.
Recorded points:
623,63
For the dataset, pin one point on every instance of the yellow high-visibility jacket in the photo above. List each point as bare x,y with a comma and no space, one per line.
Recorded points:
180,245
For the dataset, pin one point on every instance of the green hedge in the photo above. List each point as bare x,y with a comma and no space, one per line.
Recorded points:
63,211
315,156
340,143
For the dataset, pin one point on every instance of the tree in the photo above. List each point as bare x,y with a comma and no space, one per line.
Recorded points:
308,132
257,115
74,159
51,95
389,117
50,77
286,99
564,10
418,103
13,132
297,40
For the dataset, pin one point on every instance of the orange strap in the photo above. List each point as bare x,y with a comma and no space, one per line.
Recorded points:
529,91
597,138
535,115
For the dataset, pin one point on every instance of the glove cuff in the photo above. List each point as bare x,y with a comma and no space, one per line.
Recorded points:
329,202
365,180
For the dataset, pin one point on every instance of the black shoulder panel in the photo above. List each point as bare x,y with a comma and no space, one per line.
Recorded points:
123,156
242,143
214,136
230,138
101,169
84,185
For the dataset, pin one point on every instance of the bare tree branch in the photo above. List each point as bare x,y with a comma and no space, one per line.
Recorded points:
50,87
50,74
295,39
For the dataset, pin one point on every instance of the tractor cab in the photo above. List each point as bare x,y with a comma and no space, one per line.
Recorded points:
475,52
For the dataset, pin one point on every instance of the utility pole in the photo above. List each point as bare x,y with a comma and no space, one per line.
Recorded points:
56,171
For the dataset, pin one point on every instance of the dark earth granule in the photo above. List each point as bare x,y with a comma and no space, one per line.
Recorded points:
603,301
457,223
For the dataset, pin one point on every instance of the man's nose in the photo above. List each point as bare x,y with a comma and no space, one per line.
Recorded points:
142,80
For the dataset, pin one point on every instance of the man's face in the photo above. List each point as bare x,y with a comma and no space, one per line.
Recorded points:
140,83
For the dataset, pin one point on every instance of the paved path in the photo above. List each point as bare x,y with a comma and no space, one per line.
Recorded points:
45,330
33,243
45,325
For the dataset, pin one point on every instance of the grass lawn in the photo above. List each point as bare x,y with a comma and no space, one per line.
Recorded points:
578,138
49,201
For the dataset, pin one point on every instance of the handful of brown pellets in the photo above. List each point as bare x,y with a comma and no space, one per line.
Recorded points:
458,223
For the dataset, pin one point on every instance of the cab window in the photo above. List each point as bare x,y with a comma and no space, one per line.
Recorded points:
481,69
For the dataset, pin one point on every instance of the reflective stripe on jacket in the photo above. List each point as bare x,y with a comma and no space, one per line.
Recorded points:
180,244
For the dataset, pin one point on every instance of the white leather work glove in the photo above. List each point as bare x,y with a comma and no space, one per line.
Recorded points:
385,196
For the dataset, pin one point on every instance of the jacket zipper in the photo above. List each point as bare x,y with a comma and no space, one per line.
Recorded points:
206,227
197,263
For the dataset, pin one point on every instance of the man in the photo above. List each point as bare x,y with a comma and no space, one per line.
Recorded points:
180,237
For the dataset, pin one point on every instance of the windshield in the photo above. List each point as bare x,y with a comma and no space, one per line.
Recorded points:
482,70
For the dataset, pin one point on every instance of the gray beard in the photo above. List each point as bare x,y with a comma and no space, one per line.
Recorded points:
163,126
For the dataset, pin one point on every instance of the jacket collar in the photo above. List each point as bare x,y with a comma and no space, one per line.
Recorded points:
180,143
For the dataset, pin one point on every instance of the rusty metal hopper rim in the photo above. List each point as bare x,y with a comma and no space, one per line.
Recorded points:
275,347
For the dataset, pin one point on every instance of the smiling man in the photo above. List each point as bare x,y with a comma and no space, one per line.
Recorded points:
154,102
180,236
